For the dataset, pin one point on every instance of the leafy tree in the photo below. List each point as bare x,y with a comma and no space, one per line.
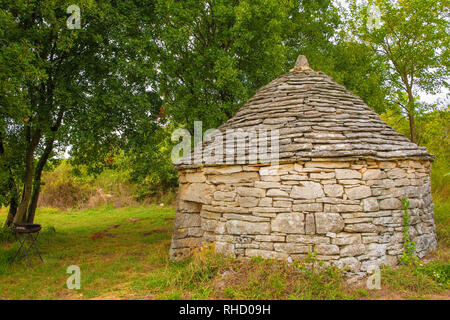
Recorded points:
412,39
215,54
67,87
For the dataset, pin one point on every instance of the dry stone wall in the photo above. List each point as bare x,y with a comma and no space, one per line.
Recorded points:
348,212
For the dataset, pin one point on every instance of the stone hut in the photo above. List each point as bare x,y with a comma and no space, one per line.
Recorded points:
337,190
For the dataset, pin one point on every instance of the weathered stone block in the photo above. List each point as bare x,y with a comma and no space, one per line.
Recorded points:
326,249
322,175
277,193
289,223
328,222
333,190
224,195
352,250
347,238
325,164
307,190
265,202
250,192
248,202
396,173
222,170
370,204
237,177
291,247
308,239
390,204
360,227
282,204
373,174
195,177
247,227
348,263
358,192
266,254
347,174
308,207
197,192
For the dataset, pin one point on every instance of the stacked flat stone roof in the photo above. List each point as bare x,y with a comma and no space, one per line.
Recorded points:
318,118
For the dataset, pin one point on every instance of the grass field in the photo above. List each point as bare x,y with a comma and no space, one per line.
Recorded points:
123,254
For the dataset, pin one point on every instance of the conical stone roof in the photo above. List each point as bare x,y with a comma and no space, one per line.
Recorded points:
317,118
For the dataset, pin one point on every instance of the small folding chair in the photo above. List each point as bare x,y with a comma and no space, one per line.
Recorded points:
27,234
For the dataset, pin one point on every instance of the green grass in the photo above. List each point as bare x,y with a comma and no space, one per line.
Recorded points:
124,254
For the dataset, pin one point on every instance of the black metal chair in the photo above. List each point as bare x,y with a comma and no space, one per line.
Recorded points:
27,232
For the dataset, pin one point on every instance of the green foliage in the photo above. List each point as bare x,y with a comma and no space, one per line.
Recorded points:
412,40
6,234
85,88
433,133
409,247
419,278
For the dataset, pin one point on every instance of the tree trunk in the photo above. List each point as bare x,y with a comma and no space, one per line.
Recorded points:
411,114
12,212
21,215
37,180
412,127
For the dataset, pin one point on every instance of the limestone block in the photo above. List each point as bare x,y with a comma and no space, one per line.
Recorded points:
266,254
271,238
237,177
250,192
370,204
326,249
282,204
224,195
322,175
347,238
267,184
277,193
308,239
345,208
248,202
244,217
265,202
225,248
373,174
396,173
289,223
358,192
333,190
195,177
352,250
390,204
222,169
328,222
197,192
360,227
347,174
187,220
294,177
324,164
291,247
348,263
310,224
307,190
308,207
209,225
247,227
189,206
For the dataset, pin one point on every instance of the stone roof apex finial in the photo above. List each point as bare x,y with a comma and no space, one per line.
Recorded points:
301,64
